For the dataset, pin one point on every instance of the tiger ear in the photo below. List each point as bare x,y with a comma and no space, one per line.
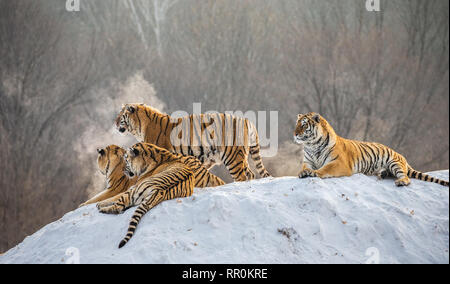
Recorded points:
134,152
316,118
131,109
299,116
101,151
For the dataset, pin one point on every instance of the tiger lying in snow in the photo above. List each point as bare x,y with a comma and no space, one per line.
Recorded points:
161,175
111,163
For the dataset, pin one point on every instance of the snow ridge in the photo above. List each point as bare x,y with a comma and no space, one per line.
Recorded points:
275,220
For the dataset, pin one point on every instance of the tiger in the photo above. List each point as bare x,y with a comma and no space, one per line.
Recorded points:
329,155
161,175
111,163
214,138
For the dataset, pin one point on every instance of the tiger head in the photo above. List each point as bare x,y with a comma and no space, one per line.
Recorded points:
128,119
110,158
143,157
134,118
309,127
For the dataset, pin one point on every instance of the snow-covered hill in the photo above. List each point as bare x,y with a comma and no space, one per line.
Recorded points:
282,220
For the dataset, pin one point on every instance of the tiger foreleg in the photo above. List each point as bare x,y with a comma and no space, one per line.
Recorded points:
306,172
333,169
104,195
108,202
330,170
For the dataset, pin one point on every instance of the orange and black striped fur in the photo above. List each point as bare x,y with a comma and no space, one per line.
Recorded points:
161,175
211,138
329,155
111,163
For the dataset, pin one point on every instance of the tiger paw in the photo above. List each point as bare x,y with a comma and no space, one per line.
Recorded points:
403,181
110,210
307,173
104,204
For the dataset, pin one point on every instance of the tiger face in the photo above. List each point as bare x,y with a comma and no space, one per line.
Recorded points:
139,159
127,119
109,158
308,127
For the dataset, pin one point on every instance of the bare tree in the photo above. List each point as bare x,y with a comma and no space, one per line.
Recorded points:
150,15
37,100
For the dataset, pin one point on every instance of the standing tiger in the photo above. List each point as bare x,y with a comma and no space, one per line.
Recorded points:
161,175
329,155
211,138
111,163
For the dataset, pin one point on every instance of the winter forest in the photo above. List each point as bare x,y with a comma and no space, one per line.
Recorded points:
375,76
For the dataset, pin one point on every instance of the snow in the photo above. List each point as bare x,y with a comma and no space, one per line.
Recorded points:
276,220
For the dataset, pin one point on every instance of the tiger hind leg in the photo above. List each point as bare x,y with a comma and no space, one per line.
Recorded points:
239,168
256,157
241,172
249,173
399,170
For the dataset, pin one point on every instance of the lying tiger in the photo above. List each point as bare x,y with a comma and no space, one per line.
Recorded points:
161,175
111,163
213,138
329,155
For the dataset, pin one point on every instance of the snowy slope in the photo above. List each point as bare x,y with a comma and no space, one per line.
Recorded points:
282,220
